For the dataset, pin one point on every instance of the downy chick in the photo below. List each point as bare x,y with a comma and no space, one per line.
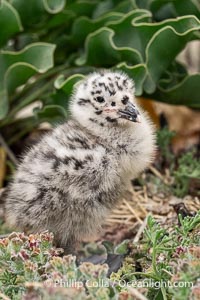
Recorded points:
69,181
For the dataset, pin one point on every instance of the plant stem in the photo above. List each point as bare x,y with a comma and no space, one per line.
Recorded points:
20,134
31,98
28,87
154,260
36,94
163,292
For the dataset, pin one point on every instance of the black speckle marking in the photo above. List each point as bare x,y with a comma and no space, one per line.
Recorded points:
103,84
112,93
99,112
125,100
94,106
71,147
111,120
51,156
95,121
82,101
83,143
89,157
66,160
113,103
104,161
125,81
78,164
123,147
119,86
97,92
58,191
24,181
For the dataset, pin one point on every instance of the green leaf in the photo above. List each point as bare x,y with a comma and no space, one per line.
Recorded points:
83,26
109,246
101,51
51,113
126,32
30,14
158,57
122,248
8,29
54,6
63,18
187,7
181,94
82,7
17,67
36,11
113,6
67,85
137,73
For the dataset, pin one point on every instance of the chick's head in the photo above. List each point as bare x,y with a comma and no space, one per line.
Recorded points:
106,99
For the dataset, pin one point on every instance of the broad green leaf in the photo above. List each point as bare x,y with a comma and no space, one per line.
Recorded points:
8,28
184,93
17,67
58,97
162,10
187,7
101,51
35,12
83,26
127,35
102,8
108,6
137,73
82,7
17,74
31,13
134,31
125,6
68,84
64,18
51,113
143,3
146,32
54,6
158,56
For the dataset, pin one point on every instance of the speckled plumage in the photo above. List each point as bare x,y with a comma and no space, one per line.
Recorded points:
70,180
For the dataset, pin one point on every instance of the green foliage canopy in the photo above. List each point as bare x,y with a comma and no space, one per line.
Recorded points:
47,46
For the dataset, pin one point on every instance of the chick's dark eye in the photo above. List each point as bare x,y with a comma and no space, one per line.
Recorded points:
100,99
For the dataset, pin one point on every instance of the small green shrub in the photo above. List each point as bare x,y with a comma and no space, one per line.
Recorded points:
182,169
188,169
164,141
31,268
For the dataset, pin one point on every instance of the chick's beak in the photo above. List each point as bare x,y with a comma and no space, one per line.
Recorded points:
130,113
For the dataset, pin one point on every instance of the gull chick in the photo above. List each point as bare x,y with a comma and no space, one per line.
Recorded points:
69,181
